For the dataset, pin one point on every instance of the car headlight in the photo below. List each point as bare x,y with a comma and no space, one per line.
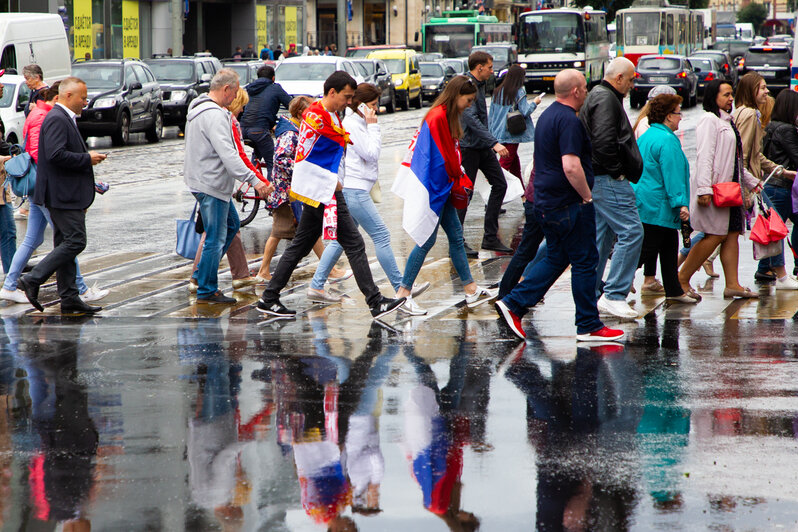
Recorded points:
177,96
104,102
432,86
398,82
577,64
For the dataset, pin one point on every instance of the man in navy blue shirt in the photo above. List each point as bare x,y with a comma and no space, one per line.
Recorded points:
564,209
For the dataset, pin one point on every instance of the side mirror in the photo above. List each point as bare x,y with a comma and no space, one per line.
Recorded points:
206,78
135,86
381,72
696,70
413,71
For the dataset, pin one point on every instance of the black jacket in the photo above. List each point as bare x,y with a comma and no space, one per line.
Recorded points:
781,144
265,98
476,134
615,149
64,175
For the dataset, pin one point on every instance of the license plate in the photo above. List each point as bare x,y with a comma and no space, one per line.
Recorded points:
768,73
548,78
658,79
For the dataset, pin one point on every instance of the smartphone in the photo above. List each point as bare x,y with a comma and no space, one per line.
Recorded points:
363,108
541,95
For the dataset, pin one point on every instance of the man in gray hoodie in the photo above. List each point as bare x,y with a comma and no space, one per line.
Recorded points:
211,167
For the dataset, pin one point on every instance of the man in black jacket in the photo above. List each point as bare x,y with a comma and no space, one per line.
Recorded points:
260,114
65,185
479,149
616,164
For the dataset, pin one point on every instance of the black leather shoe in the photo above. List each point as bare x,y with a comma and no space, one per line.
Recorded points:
496,245
31,292
767,277
471,253
78,306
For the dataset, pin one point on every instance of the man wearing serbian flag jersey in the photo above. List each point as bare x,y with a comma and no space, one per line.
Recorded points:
317,182
434,185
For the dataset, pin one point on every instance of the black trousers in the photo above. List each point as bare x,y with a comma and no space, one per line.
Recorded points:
485,160
69,239
308,232
663,241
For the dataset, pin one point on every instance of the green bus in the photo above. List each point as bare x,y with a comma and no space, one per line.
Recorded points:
455,32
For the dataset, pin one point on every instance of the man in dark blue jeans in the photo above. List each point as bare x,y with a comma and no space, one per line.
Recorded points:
564,210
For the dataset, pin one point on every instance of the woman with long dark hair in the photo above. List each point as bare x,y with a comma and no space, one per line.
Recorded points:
510,96
437,145
719,160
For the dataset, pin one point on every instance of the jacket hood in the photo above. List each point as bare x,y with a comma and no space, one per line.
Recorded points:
259,85
284,125
200,105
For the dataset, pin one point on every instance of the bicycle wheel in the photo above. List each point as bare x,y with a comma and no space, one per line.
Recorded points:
248,210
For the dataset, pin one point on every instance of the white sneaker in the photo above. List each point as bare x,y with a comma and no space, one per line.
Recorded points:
17,296
620,309
419,289
411,307
93,294
787,283
482,295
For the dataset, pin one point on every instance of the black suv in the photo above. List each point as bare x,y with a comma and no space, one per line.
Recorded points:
124,97
183,79
771,62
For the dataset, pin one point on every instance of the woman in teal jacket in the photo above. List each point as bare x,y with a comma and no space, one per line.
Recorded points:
663,191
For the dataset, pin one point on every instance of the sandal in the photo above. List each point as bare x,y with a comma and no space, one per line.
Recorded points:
709,269
652,289
746,293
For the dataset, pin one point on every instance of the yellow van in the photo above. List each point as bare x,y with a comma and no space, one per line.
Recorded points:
403,66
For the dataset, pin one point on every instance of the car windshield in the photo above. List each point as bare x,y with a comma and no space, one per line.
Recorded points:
98,77
366,67
763,57
8,94
703,64
658,63
395,66
499,53
304,71
458,66
172,70
431,70
240,69
641,29
552,32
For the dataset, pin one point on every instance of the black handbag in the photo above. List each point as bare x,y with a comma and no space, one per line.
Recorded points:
516,122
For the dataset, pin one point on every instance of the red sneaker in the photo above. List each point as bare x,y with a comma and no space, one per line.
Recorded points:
602,335
510,318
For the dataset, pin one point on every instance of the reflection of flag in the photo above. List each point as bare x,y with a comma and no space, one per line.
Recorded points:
325,491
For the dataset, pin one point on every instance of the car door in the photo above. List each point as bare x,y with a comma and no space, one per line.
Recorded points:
134,88
147,94
204,76
415,74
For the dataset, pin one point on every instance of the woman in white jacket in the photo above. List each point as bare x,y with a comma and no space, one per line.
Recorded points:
362,171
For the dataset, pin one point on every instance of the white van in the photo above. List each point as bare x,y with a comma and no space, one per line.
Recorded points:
39,38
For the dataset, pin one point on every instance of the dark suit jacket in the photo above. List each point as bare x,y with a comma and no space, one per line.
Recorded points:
64,175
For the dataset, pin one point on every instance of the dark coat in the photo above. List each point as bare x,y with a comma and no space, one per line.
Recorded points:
265,98
476,134
64,175
781,144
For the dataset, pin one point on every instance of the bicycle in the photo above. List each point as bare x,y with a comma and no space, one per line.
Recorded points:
245,193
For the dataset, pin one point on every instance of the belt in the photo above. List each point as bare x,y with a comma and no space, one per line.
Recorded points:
620,178
780,182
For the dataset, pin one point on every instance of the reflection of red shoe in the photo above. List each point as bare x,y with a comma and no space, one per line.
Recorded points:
607,350
605,334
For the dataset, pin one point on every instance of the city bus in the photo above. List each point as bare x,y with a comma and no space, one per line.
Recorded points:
454,33
550,40
658,30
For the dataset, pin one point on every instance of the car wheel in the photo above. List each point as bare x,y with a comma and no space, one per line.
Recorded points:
11,139
406,102
122,134
154,133
419,102
694,99
391,107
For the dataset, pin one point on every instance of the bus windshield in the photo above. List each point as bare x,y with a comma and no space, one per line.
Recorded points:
452,40
552,32
641,29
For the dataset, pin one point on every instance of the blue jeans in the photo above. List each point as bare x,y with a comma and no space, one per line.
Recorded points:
695,239
571,239
38,220
221,226
8,235
526,252
450,223
365,214
616,215
781,200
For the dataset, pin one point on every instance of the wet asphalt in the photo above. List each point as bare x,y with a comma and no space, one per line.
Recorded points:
161,414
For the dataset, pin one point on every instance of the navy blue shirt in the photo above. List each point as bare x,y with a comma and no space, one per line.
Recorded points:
559,132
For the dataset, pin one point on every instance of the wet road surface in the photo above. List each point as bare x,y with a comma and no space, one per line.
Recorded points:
161,414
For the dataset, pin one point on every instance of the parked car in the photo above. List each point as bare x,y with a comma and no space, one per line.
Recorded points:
707,69
376,73
124,97
504,56
459,64
364,51
182,79
434,77
771,62
403,66
672,70
12,106
305,75
735,47
430,56
780,40
247,70
724,59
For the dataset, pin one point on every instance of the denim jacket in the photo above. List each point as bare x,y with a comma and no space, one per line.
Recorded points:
497,119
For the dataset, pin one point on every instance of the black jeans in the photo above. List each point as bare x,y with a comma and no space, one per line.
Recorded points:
69,239
663,241
527,249
308,232
264,147
485,160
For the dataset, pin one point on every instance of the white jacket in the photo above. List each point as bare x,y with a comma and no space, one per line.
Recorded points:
363,155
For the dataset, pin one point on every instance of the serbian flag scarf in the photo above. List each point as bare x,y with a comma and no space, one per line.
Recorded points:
424,179
318,156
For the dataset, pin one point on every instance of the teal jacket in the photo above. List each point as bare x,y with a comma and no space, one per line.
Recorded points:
664,186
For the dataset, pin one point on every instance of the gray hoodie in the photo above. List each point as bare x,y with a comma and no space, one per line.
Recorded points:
212,161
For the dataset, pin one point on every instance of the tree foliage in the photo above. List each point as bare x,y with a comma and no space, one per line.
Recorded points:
754,13
699,4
